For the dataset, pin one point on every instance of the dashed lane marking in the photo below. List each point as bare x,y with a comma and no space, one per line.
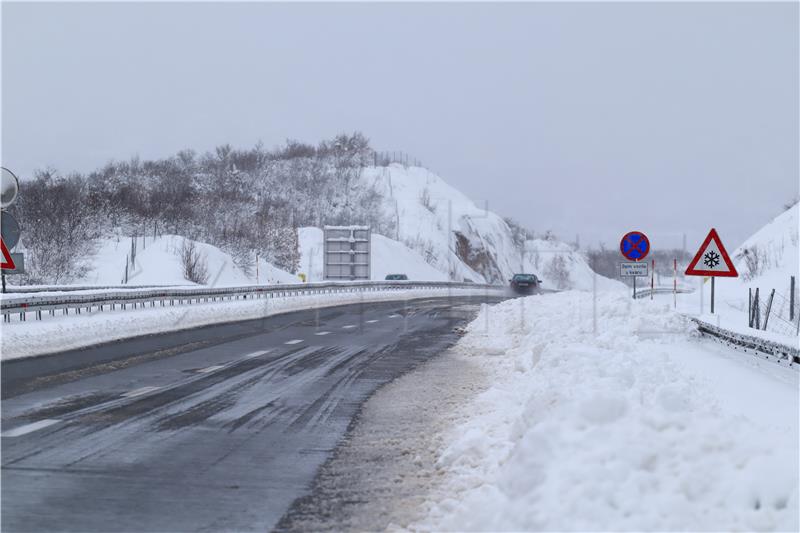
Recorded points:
322,333
29,428
210,369
394,316
349,326
257,354
139,392
294,341
372,321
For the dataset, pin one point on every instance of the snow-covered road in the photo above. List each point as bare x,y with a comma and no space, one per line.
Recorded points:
637,425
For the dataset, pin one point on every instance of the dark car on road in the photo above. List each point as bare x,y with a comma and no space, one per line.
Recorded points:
396,277
525,284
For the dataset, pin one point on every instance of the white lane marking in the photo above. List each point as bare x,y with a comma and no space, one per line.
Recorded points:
139,392
394,316
349,326
29,428
322,333
257,354
294,341
372,321
210,369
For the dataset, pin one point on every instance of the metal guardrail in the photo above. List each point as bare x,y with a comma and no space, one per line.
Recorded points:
12,290
770,350
111,299
644,293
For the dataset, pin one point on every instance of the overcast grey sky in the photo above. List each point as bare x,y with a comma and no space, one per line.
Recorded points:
588,119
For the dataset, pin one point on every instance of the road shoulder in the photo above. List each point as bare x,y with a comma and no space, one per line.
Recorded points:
385,469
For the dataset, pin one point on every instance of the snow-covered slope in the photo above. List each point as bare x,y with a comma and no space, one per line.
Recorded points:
766,261
771,254
455,236
158,262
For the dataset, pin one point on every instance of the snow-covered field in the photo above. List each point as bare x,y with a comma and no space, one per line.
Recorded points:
58,333
640,425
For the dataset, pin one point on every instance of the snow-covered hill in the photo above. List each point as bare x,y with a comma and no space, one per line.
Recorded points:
438,234
457,237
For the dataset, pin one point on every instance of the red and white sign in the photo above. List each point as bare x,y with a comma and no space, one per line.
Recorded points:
7,262
712,259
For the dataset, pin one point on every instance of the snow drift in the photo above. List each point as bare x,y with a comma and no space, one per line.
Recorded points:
638,427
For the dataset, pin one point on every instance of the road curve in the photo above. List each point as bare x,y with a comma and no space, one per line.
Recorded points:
218,428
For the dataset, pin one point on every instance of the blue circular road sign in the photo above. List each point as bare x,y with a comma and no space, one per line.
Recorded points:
634,246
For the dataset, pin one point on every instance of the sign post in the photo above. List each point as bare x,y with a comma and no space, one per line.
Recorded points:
9,227
634,246
712,260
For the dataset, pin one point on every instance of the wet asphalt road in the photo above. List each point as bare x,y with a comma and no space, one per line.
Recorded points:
219,428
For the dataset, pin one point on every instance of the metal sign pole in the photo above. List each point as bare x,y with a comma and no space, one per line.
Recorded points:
712,294
634,287
652,279
675,283
4,282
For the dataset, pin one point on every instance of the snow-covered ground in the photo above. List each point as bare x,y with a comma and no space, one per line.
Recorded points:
158,262
619,420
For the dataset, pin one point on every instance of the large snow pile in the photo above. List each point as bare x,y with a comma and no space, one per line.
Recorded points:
455,236
388,257
158,262
640,426
766,261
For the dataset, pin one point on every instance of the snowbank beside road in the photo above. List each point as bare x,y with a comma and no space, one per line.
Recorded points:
641,426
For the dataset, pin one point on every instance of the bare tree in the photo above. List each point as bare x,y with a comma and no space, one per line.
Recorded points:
195,264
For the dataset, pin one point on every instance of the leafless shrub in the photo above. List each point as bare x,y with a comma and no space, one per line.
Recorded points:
557,272
195,264
425,200
754,261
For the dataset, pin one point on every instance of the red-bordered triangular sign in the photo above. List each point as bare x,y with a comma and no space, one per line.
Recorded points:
712,259
7,262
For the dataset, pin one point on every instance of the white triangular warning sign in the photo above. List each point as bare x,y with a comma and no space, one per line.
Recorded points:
712,259
6,262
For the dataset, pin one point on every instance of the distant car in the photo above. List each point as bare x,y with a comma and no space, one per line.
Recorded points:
396,277
525,283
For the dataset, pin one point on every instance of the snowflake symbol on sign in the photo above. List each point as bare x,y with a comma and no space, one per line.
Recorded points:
711,259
